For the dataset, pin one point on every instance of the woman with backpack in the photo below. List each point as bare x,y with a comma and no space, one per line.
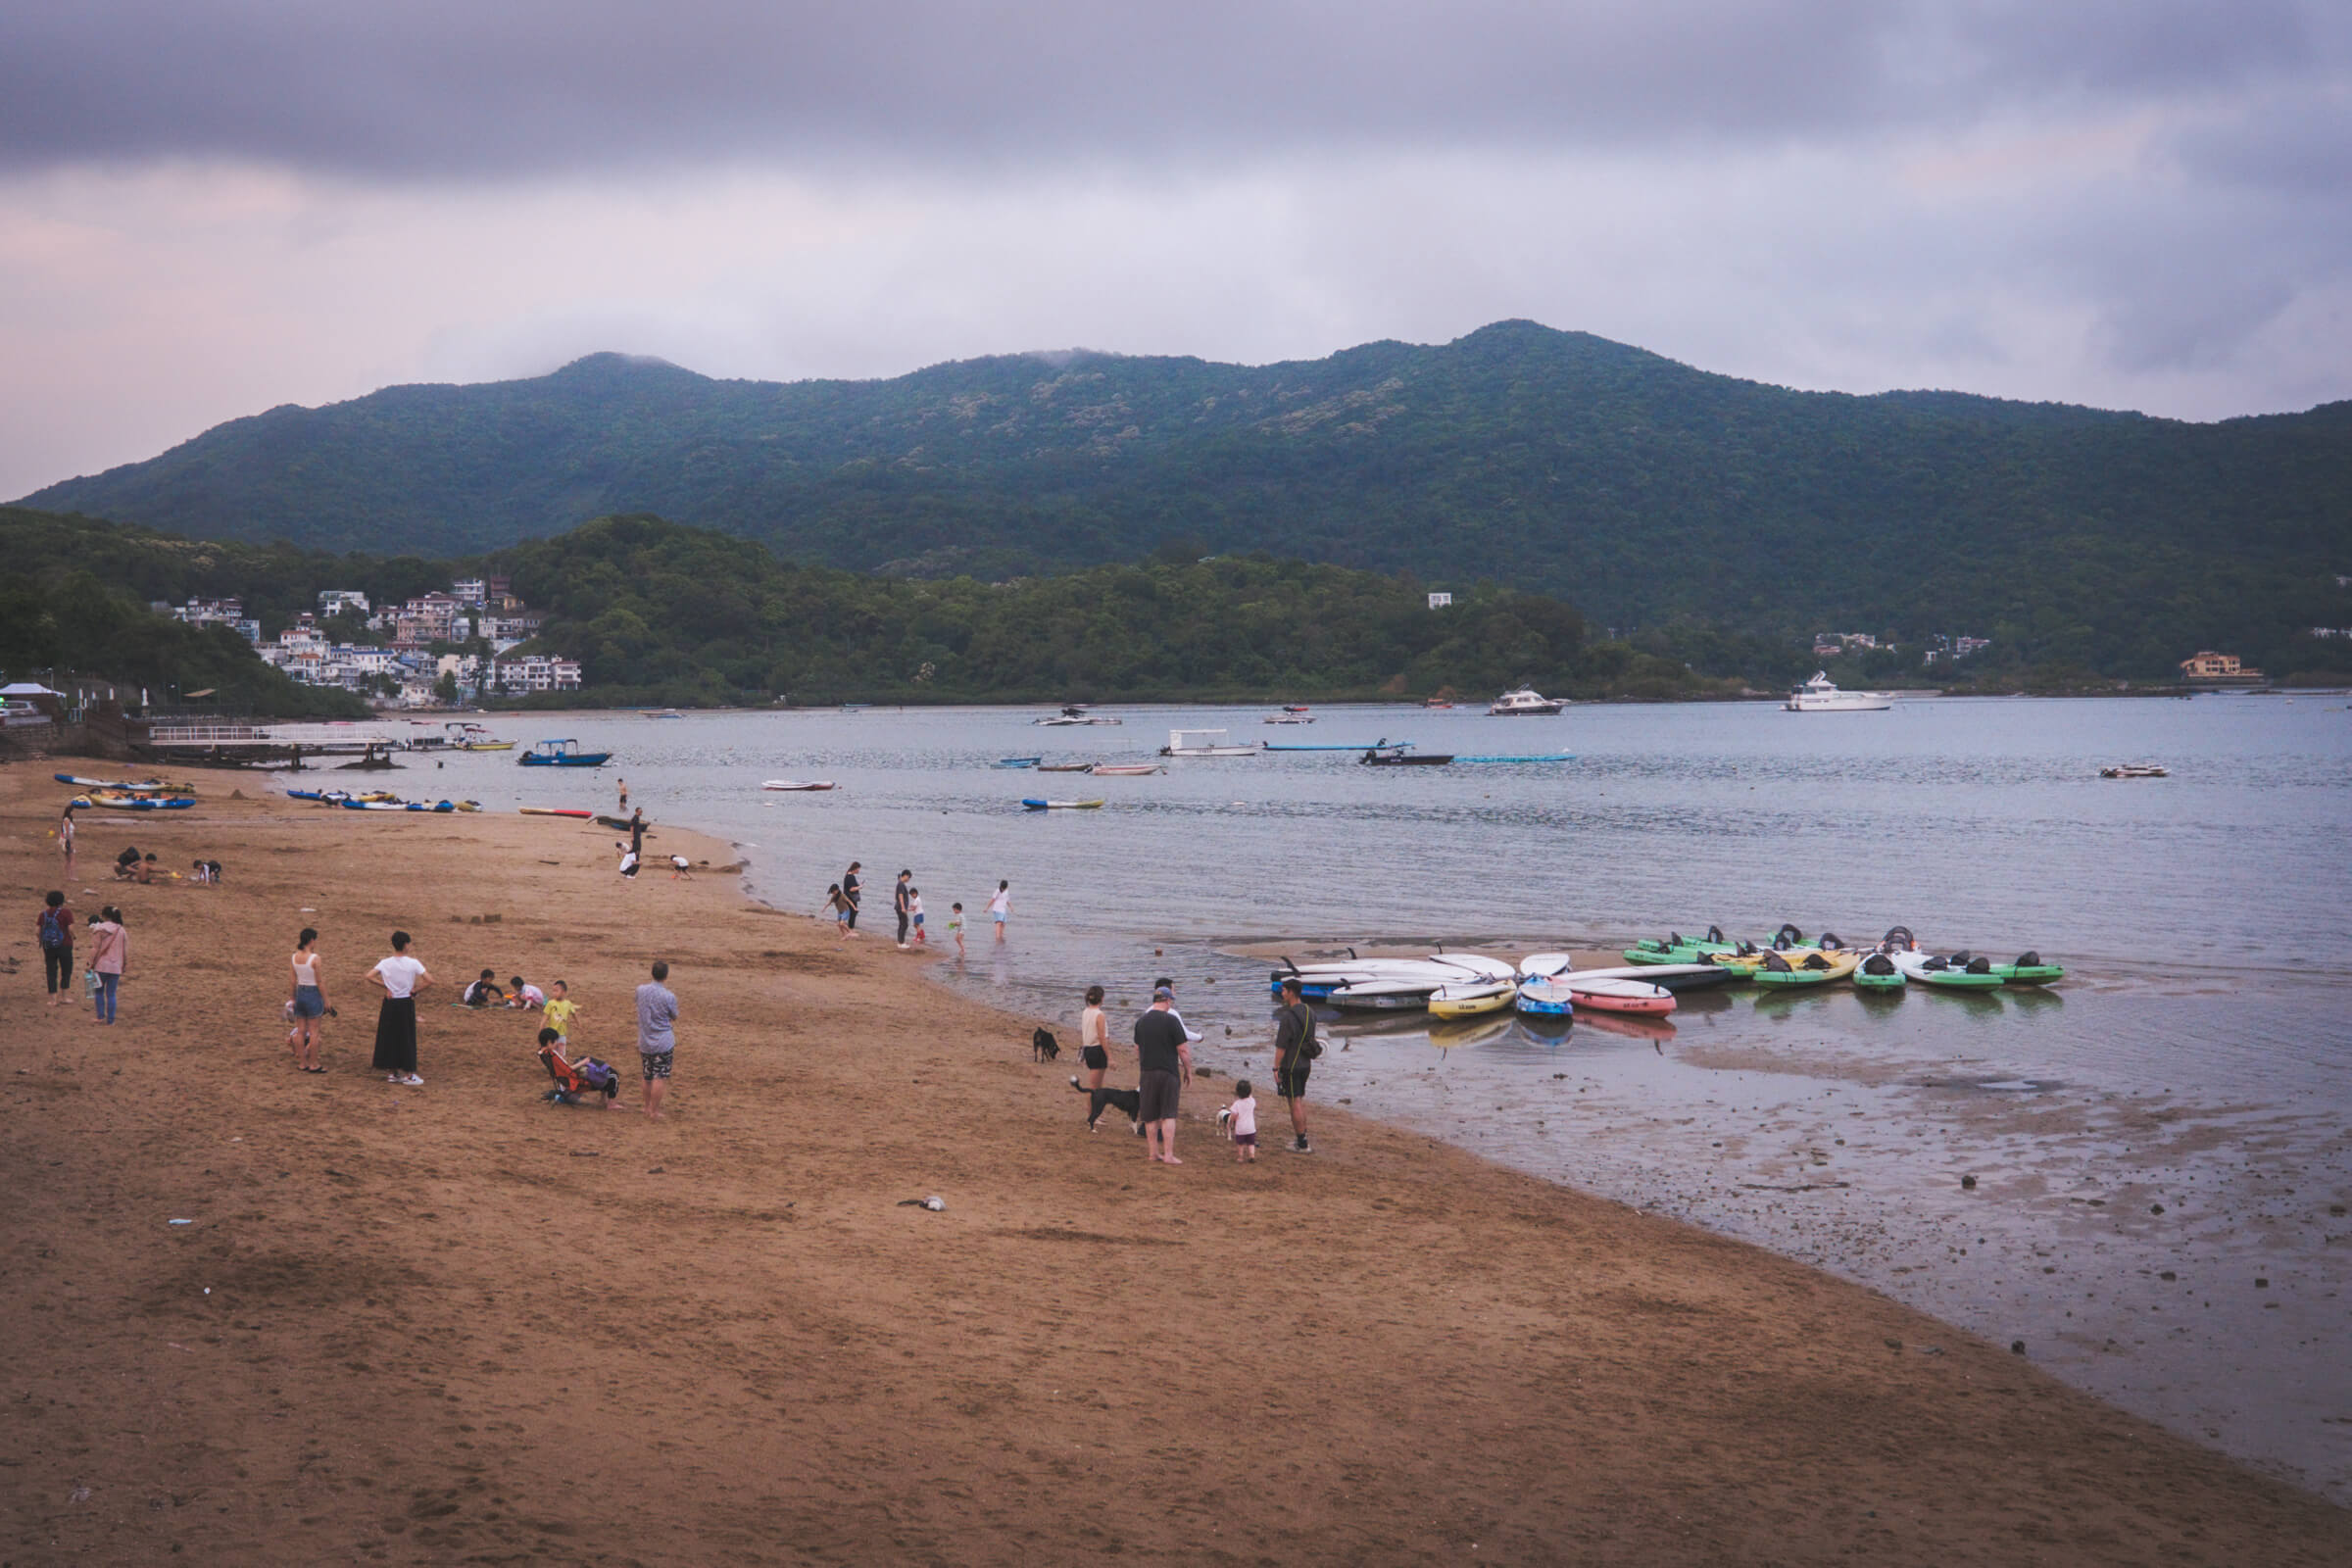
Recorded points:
108,960
54,926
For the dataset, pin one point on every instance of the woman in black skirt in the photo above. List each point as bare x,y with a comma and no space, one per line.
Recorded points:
402,976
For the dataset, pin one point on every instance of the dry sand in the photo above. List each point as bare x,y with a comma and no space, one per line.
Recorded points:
458,1324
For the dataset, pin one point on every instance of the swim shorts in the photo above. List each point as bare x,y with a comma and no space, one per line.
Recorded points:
1156,1097
654,1063
1093,1059
1290,1078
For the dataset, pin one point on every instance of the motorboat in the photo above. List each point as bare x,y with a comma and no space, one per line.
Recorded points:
465,737
1821,695
1065,767
2119,770
1402,756
1384,744
797,784
1292,713
1074,713
1125,769
563,753
1204,743
1525,703
1064,805
1017,761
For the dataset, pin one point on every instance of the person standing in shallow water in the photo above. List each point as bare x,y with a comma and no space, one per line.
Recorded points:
1000,907
402,976
849,892
900,904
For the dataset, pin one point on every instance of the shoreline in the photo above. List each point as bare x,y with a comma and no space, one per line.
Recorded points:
455,1321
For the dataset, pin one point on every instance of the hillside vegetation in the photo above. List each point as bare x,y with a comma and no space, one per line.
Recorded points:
660,612
1655,495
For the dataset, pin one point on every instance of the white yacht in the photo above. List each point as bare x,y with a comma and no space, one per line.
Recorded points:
1524,702
1820,695
1203,742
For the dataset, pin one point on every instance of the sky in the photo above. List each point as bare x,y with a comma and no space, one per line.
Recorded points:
212,207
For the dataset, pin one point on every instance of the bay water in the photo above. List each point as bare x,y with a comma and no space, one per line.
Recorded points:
2159,1148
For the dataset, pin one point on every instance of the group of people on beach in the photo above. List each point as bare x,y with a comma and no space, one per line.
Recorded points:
842,897
1163,1058
402,976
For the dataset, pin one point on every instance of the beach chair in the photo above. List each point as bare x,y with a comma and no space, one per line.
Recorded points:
577,1081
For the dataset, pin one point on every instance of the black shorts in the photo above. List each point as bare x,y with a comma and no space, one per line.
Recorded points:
1155,1098
1290,1078
654,1063
1093,1059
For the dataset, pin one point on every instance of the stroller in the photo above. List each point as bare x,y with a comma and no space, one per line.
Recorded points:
575,1081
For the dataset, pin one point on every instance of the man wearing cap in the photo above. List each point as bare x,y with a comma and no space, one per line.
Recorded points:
1166,1060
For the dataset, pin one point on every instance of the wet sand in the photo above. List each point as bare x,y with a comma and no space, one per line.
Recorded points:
454,1322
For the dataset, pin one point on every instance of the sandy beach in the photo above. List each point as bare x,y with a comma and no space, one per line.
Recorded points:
454,1323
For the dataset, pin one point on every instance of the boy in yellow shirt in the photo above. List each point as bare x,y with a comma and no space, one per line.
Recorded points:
560,1009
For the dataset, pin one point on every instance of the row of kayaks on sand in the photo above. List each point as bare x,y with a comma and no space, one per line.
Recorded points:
1791,959
1455,985
124,795
1463,985
378,800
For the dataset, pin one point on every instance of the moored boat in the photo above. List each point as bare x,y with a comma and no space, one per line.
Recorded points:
563,753
1400,757
797,784
1203,742
1063,806
1017,761
2119,770
1524,702
1821,695
1125,769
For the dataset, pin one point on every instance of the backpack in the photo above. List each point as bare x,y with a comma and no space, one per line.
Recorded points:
56,932
1309,1048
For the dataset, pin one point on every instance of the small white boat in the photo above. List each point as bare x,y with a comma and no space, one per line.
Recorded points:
1075,714
797,784
1524,702
1204,743
1821,695
1064,805
1125,769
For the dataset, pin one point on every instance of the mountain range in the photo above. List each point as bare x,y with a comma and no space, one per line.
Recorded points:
1652,494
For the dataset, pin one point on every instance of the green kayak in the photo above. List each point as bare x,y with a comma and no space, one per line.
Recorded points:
1879,974
1972,974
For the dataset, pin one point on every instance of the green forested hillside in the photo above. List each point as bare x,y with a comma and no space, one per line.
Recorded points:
1654,495
70,600
660,612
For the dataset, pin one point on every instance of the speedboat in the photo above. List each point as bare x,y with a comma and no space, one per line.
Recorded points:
1526,702
1402,756
1821,695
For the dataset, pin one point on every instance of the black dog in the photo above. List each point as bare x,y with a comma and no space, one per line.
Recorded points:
1130,1100
1043,1046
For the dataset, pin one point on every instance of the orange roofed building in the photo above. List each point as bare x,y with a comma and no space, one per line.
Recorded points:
2209,668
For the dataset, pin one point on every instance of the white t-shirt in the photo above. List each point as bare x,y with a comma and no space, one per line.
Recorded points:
1192,1035
400,972
1244,1116
532,996
1000,904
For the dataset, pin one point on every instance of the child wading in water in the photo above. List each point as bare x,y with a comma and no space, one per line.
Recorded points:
915,912
1244,1111
956,926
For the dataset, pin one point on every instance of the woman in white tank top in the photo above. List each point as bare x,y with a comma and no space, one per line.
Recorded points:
306,1003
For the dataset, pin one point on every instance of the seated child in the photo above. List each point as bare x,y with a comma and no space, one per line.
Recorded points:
484,991
525,996
577,1078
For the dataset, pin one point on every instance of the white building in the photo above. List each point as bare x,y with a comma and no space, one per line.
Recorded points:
1440,601
536,672
469,590
334,601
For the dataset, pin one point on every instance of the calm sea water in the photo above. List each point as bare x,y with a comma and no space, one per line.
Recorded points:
2197,1061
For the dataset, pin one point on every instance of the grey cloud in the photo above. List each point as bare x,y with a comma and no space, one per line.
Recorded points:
440,88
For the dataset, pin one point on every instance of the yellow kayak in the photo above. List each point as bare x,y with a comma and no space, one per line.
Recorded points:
1469,1001
1811,968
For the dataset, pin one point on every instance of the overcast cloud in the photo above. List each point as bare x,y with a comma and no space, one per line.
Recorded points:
206,209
